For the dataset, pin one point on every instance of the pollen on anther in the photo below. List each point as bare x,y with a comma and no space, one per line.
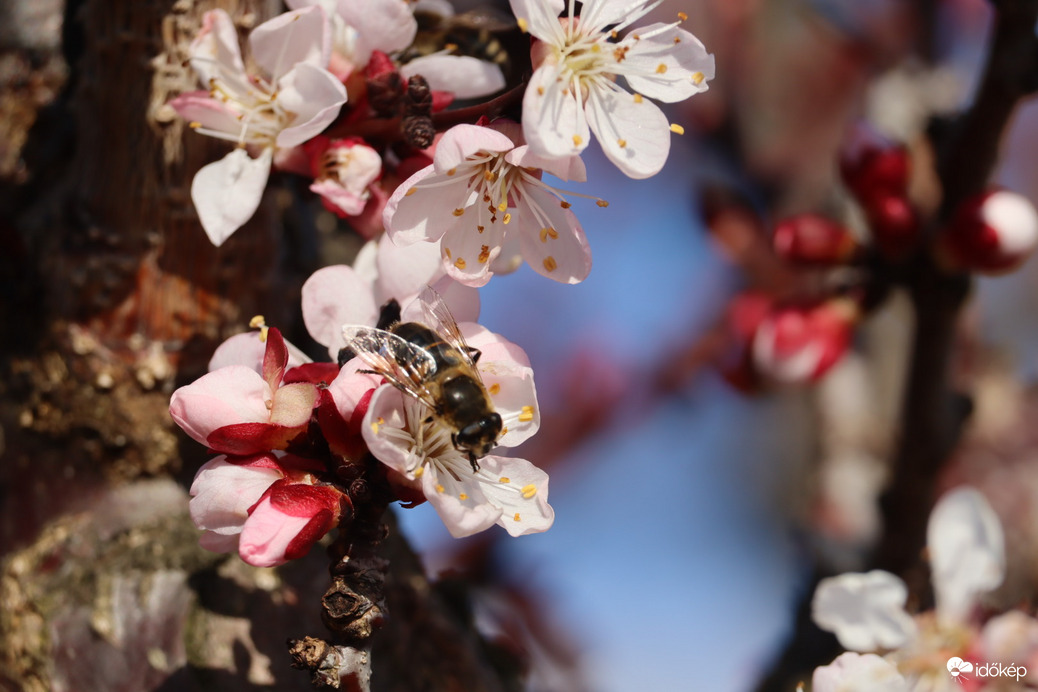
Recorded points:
463,497
447,251
411,192
602,203
377,424
697,78
638,98
460,263
506,218
523,24
682,16
481,228
194,124
526,415
484,254
516,517
439,488
622,143
419,471
564,204
677,40
550,264
613,34
577,140
452,171
504,479
548,233
540,91
677,129
494,389
529,491
502,206
458,212
661,68
257,321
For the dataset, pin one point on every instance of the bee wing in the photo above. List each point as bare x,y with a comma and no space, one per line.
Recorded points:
439,317
405,365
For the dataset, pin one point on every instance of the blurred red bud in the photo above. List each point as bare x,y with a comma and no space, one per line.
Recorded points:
798,344
872,165
990,233
809,239
894,225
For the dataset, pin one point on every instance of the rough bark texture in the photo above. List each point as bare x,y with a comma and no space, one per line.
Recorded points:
112,297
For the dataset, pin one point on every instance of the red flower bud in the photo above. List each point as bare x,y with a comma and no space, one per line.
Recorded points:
809,239
872,165
798,344
990,233
894,224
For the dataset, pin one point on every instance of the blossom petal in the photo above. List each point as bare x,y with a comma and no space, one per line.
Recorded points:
967,551
293,404
566,168
350,387
222,493
866,612
424,212
552,240
231,395
268,535
669,66
463,141
460,502
852,672
471,244
385,25
334,296
199,107
521,493
634,132
404,270
215,53
315,96
227,192
540,16
464,76
554,122
299,37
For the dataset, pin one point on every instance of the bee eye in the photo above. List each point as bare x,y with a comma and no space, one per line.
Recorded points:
481,434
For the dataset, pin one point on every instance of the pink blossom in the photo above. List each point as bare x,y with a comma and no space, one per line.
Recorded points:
239,411
223,491
293,99
484,202
288,519
343,170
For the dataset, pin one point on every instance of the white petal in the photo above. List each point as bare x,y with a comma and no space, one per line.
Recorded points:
866,612
315,96
520,492
462,300
852,672
540,16
464,76
222,493
334,296
566,168
300,36
241,349
463,141
664,70
552,241
553,117
404,270
421,213
200,107
634,132
967,552
214,52
227,192
473,242
385,25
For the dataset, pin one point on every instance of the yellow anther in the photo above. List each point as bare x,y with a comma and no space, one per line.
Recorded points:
529,491
419,471
677,129
377,424
697,78
622,143
636,37
614,35
452,171
504,431
516,517
194,124
463,497
504,479
661,68
526,415
257,322
638,98
540,91
488,176
439,488
564,204
411,192
484,254
502,206
481,228
460,263
682,16
577,140
447,251
677,40
523,24
602,203
550,264
494,389
506,218
458,212
548,233
596,48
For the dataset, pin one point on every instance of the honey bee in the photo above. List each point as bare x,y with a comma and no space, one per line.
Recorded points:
432,363
485,33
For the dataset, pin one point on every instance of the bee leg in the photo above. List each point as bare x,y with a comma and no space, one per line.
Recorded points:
475,464
344,356
389,314
474,354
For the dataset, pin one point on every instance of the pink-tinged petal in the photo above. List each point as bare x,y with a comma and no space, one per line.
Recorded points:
385,412
463,301
299,37
365,263
219,542
384,25
552,241
293,404
521,493
215,53
512,391
199,107
493,346
553,117
634,132
241,349
405,270
601,13
223,492
566,168
463,141
465,77
275,359
967,552
252,438
334,296
866,612
539,16
852,672
227,192
228,396
315,96
686,66
343,202
511,256
314,373
416,213
460,502
271,536
472,243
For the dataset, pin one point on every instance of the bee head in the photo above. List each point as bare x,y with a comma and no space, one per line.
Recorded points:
479,437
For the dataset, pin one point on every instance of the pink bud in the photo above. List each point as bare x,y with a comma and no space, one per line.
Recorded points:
872,165
800,343
809,239
286,522
894,224
990,233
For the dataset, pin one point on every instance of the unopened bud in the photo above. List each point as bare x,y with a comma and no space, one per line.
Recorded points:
797,344
990,233
809,239
894,225
872,165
